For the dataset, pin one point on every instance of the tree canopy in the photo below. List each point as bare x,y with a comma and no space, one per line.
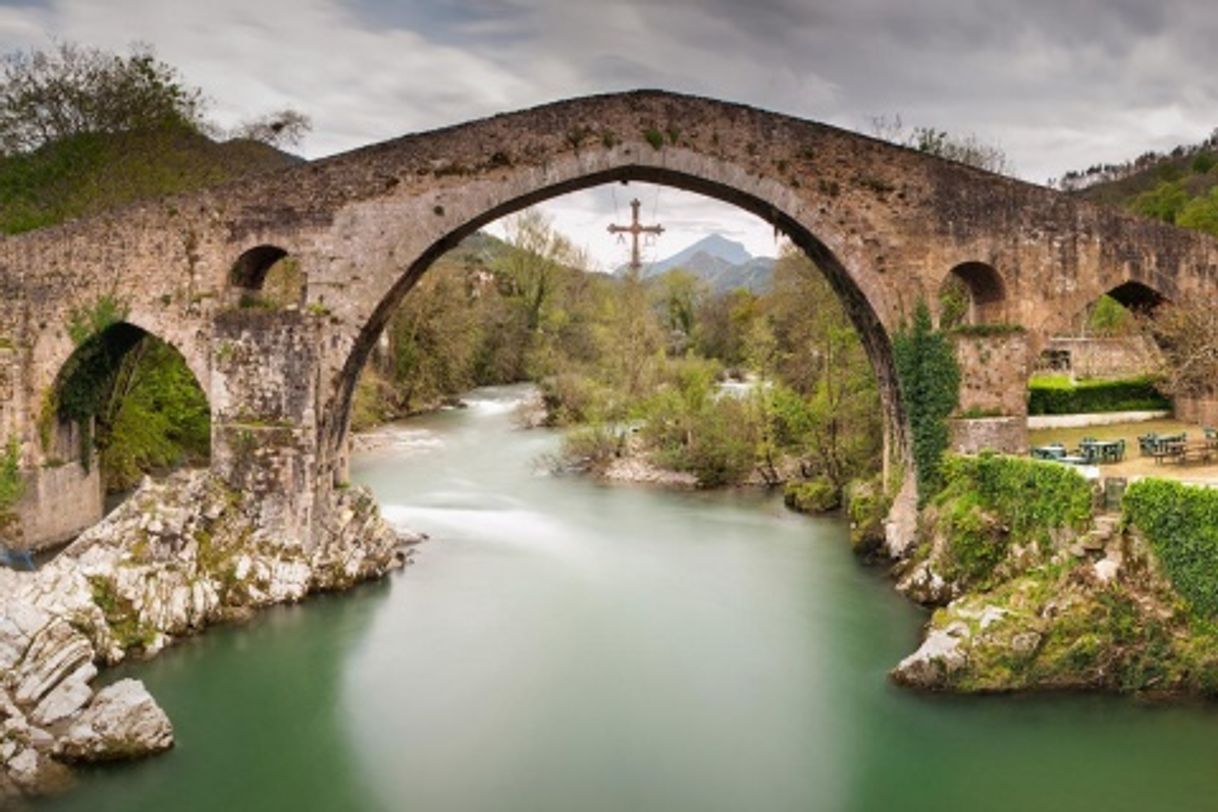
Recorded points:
48,96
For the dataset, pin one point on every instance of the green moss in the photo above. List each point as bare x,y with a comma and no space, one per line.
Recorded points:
987,330
12,483
654,137
978,413
867,504
122,618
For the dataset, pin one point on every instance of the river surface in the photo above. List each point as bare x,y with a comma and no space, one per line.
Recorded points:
565,645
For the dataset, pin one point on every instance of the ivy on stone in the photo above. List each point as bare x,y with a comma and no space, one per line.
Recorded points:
929,379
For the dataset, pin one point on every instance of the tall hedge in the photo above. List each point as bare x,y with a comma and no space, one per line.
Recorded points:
930,389
1181,524
1060,396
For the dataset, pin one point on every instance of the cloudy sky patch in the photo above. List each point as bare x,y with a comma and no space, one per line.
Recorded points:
1059,84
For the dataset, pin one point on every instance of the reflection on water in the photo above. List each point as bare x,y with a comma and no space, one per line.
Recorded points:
566,645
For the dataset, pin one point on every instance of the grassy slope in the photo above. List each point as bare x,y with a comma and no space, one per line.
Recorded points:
89,174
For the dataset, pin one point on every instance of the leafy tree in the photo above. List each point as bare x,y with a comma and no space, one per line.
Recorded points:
1108,317
1201,213
1165,202
531,266
832,416
679,294
70,90
156,417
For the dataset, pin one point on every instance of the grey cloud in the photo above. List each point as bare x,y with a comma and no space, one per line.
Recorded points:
1060,84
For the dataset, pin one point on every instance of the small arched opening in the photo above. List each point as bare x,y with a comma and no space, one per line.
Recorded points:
267,276
972,293
1137,297
1112,337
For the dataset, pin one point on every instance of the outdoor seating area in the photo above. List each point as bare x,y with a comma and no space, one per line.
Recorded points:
1179,449
1090,451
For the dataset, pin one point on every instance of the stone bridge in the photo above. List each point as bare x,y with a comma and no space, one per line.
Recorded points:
886,224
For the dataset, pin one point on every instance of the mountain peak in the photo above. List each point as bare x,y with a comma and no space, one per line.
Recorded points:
714,246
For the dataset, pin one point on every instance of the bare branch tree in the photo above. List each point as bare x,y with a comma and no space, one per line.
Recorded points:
283,128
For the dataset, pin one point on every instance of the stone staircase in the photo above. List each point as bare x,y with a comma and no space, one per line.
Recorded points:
1096,540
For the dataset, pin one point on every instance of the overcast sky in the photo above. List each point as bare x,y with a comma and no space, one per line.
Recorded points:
1059,84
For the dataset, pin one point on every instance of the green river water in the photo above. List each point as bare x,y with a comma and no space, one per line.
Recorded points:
565,645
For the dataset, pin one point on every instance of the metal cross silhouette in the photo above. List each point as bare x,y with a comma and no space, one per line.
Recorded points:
635,229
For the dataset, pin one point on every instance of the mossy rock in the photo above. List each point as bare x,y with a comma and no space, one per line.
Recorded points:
818,495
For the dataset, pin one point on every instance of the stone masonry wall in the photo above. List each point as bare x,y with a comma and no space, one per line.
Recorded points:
1116,357
1007,435
264,432
993,374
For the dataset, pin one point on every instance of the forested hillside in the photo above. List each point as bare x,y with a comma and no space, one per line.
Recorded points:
1179,187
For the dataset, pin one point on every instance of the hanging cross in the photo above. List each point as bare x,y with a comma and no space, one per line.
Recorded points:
635,229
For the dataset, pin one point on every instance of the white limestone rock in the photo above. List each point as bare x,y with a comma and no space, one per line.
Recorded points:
176,557
941,654
123,721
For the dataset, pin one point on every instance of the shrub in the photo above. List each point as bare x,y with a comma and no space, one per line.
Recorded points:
813,496
867,505
1059,396
1181,524
591,446
992,501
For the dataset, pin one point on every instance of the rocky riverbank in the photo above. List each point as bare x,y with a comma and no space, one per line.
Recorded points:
176,557
1034,592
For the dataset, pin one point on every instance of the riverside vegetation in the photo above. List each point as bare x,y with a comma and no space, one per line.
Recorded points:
634,369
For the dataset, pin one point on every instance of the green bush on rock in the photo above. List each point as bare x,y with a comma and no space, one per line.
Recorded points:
1181,524
991,502
867,505
813,496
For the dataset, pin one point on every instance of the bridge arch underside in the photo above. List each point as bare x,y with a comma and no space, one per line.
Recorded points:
122,384
845,281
